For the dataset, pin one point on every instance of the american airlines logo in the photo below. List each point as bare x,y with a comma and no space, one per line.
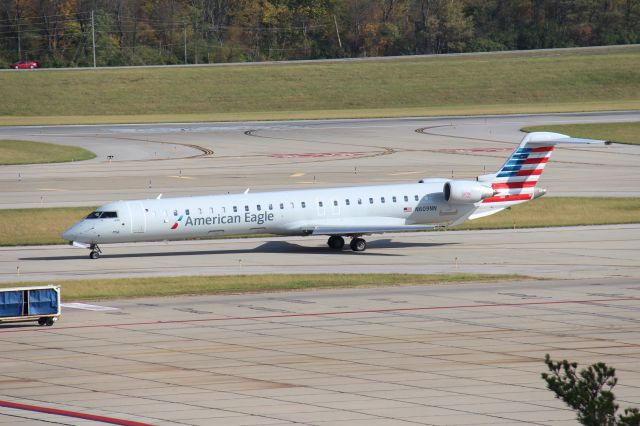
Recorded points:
175,225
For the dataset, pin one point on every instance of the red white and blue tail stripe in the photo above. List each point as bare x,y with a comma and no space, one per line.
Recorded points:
517,178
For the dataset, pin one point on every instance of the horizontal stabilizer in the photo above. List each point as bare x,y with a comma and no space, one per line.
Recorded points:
550,138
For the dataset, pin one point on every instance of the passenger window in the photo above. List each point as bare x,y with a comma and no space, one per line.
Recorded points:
382,200
281,206
293,206
359,200
347,201
199,210
258,207
270,206
211,208
370,200
246,208
394,199
417,198
335,203
186,212
304,205
406,198
320,204
175,212
224,210
235,209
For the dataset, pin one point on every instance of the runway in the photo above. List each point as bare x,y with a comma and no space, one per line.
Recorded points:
216,158
435,355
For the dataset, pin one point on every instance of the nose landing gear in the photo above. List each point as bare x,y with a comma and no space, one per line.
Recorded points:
95,251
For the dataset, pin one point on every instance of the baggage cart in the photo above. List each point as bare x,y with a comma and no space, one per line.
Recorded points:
40,304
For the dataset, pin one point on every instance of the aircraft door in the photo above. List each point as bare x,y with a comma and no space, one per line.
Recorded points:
335,208
138,217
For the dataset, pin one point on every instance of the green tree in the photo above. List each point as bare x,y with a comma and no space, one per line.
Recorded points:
588,392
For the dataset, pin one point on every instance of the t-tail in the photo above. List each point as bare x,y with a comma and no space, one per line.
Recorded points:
516,180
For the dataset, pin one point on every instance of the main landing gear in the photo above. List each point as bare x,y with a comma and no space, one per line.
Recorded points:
358,244
95,251
336,242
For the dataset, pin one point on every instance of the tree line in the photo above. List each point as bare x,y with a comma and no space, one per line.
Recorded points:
62,33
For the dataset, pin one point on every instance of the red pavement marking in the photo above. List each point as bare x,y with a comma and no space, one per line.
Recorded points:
66,413
330,313
319,154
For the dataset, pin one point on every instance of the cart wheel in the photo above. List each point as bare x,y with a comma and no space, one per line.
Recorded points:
42,321
49,322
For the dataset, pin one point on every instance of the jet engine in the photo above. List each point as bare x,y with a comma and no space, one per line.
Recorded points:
466,192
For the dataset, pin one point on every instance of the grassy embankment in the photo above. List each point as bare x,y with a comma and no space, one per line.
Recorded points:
554,81
103,289
44,226
27,152
628,133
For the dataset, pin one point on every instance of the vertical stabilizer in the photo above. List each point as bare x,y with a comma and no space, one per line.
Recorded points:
516,180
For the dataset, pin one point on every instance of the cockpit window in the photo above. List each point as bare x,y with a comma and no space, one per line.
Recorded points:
102,215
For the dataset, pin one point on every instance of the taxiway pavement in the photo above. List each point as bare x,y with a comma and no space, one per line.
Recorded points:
438,355
212,158
467,354
571,252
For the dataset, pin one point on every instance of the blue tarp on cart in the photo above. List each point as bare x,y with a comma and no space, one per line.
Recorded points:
43,302
11,303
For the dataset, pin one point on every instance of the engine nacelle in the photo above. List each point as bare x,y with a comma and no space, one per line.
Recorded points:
466,192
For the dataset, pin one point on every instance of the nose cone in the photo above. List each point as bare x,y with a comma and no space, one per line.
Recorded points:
70,234
75,232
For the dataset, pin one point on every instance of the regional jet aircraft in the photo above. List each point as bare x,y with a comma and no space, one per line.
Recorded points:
336,212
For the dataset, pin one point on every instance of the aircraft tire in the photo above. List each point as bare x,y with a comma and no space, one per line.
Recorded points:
94,254
336,242
358,244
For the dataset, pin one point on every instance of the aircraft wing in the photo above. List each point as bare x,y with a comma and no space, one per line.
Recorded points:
359,226
361,230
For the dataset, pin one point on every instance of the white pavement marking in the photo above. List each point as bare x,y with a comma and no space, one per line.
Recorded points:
87,307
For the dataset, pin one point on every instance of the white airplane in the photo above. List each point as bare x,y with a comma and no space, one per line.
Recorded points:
337,212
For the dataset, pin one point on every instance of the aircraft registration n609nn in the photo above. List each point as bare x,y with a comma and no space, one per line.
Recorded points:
336,212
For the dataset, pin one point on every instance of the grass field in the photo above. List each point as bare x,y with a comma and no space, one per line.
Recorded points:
571,80
44,226
198,285
562,211
27,152
38,226
628,133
